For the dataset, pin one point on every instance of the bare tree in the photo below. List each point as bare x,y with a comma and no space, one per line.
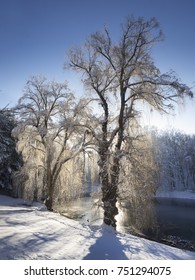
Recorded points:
49,118
122,74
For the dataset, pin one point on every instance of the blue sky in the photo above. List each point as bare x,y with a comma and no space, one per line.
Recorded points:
35,35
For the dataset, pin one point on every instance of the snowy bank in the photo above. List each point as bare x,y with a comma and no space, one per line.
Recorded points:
31,232
176,194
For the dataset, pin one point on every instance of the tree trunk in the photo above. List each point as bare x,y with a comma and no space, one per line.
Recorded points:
49,200
110,186
109,189
109,204
49,188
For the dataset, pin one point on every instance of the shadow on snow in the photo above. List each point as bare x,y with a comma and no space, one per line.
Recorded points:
106,247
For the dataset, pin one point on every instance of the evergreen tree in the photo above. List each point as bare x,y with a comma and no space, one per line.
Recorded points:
9,159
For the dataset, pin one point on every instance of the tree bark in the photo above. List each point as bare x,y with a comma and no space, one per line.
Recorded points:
109,188
49,188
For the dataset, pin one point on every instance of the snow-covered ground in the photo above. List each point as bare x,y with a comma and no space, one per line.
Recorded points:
31,232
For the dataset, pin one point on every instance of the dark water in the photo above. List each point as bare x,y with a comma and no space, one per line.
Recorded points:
176,217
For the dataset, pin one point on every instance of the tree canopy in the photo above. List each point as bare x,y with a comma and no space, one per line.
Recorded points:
121,74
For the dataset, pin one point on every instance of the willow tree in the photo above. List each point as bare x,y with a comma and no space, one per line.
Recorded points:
48,118
121,73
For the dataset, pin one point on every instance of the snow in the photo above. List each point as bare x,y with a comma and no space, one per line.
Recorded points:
176,194
31,232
